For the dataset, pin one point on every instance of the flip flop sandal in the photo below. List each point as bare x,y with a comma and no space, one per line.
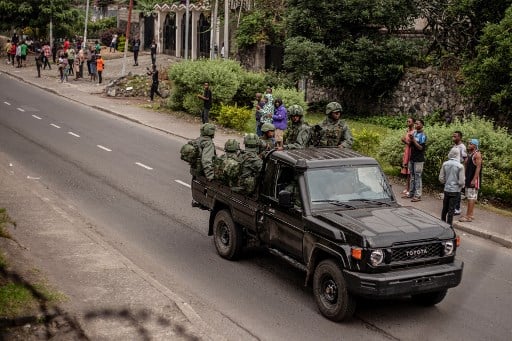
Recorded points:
465,219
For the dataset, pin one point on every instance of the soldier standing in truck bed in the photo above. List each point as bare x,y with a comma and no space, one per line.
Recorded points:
335,132
298,135
250,165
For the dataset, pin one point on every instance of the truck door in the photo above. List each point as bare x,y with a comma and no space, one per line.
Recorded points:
283,225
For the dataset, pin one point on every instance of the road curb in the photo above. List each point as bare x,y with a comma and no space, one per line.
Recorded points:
499,239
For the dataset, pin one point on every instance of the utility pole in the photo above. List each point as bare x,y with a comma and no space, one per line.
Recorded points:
226,29
85,26
187,28
126,42
51,24
213,31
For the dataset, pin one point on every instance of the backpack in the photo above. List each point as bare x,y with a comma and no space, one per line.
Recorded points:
190,152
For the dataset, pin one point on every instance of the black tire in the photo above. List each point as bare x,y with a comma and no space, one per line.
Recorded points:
330,291
429,298
227,236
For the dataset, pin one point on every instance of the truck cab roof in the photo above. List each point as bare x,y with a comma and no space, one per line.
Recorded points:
321,157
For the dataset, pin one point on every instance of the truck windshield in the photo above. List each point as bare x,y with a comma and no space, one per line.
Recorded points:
342,184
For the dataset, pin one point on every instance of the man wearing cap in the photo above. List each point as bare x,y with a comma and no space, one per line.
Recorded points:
473,177
453,177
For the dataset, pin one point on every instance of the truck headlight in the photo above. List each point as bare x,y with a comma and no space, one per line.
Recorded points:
376,257
449,248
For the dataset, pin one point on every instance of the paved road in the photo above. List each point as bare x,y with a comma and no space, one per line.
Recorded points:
119,177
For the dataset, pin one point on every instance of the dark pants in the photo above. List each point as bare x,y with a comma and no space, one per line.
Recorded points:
449,206
99,76
46,63
153,58
204,115
71,63
135,57
38,66
154,90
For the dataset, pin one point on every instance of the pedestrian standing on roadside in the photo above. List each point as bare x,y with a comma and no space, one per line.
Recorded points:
94,73
99,67
97,47
136,48
154,82
7,50
407,154
88,56
65,45
418,143
463,155
258,113
23,53
71,59
39,61
54,52
473,178
13,54
47,52
453,177
153,52
113,43
80,59
18,56
207,102
280,121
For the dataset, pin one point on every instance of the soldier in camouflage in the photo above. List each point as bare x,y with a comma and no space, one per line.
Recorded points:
250,165
335,132
267,139
226,167
298,135
207,149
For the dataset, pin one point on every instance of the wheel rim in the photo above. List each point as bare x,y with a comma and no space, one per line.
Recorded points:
330,290
224,235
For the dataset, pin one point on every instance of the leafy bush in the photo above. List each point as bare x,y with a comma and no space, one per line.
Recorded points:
250,84
94,28
106,35
189,76
290,97
495,145
121,42
366,141
234,117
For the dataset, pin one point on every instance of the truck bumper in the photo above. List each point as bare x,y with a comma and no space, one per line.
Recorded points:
405,282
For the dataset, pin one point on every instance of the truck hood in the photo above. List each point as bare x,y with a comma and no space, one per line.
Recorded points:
382,227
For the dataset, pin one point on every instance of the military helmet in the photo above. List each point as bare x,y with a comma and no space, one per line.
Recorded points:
267,127
332,107
231,145
296,110
207,129
251,140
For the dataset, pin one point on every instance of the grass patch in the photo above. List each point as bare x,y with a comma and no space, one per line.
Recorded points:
4,221
15,299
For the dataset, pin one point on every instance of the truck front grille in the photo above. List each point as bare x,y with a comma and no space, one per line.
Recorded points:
413,253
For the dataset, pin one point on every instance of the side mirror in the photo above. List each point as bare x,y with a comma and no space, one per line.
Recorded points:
285,199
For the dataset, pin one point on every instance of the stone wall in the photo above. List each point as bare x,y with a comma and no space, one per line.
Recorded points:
419,93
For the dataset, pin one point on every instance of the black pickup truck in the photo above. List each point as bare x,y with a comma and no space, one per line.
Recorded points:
332,211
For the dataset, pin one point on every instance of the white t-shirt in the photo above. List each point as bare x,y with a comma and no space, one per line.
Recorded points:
463,154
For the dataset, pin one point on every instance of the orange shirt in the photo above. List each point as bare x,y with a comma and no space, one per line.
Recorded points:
99,64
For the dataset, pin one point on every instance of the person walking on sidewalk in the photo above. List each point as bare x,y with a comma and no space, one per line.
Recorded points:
47,52
453,177
473,178
407,154
39,61
136,48
207,102
418,142
153,52
154,83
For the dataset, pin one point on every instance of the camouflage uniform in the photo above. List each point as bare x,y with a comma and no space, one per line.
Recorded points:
227,166
298,135
335,132
207,147
250,165
267,143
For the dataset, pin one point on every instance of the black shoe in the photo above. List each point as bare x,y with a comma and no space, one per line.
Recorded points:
195,204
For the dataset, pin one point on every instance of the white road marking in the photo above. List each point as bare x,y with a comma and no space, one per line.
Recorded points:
183,183
143,165
54,125
7,103
37,117
20,109
73,134
104,148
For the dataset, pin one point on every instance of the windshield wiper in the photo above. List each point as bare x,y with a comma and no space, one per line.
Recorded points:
371,201
335,202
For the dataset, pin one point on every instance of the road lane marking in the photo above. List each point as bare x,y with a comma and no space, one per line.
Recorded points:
183,183
143,165
7,103
104,148
73,134
20,109
54,125
35,116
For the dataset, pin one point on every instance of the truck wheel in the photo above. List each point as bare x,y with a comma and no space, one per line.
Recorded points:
430,298
227,236
330,291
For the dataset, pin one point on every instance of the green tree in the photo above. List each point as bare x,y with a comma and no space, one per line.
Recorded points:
488,77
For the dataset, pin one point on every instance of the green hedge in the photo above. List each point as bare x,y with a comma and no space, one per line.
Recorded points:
234,117
495,146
